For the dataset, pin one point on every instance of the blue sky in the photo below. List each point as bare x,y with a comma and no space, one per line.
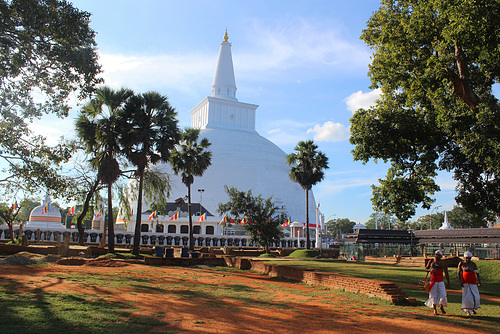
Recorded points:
302,62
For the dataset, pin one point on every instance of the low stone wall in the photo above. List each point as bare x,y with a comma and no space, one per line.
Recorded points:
287,272
368,287
183,262
404,261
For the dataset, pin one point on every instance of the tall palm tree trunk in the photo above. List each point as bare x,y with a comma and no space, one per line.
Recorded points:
308,244
191,234
137,232
111,225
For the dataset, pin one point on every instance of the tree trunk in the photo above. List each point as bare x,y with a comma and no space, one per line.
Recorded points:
308,243
11,230
111,225
79,220
461,82
137,232
191,234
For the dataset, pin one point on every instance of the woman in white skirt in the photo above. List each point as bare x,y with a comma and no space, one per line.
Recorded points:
437,288
467,274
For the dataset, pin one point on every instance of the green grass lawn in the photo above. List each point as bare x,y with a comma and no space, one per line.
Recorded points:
36,311
41,312
489,271
489,313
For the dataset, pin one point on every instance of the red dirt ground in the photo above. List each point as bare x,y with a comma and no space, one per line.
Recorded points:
305,314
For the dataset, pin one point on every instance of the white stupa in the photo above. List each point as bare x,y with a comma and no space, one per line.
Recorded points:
240,156
45,217
446,225
359,226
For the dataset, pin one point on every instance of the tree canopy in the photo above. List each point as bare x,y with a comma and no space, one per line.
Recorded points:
190,159
98,126
339,226
382,221
307,166
262,218
149,133
436,63
47,54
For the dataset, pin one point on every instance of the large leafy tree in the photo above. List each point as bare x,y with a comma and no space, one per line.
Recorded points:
381,221
190,159
435,63
26,205
307,169
85,185
47,54
9,214
458,217
262,218
98,125
339,226
150,132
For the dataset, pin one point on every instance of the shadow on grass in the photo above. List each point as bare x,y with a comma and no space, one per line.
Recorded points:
41,312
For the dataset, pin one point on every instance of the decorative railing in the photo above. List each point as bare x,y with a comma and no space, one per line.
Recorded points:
149,238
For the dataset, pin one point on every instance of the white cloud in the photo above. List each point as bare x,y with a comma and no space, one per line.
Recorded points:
181,72
300,43
331,187
51,131
285,133
446,182
362,100
330,131
270,51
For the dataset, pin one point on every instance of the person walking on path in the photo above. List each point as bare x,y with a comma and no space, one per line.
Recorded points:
437,289
467,274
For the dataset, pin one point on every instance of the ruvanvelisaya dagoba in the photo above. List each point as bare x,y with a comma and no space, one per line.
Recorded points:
240,157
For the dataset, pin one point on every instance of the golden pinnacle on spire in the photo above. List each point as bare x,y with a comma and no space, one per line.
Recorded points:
225,36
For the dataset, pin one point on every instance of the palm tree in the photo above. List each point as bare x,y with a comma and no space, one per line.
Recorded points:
97,126
191,159
307,165
150,134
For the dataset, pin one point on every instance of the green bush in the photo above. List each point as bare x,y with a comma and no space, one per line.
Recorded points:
118,255
14,242
304,253
267,255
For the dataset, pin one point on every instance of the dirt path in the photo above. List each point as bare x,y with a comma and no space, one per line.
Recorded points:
455,292
197,300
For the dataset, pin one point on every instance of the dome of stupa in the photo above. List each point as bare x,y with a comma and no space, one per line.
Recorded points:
45,216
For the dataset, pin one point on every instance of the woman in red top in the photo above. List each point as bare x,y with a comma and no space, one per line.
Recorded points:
437,289
467,273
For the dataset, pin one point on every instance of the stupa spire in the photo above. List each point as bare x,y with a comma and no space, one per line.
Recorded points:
224,85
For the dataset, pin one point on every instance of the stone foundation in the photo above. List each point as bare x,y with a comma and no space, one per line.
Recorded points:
368,287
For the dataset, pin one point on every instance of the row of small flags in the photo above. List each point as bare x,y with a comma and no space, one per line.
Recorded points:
154,214
243,221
